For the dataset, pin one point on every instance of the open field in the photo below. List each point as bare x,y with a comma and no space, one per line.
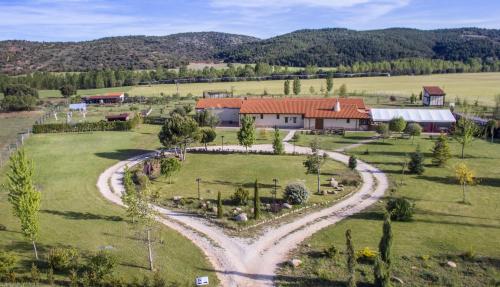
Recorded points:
443,228
333,142
74,214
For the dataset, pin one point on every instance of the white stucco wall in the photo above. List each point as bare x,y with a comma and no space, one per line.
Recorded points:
270,120
353,124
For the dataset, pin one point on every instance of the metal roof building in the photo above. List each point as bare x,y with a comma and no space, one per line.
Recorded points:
413,115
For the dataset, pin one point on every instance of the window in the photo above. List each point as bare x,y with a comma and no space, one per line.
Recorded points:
302,116
253,119
286,120
278,117
261,116
348,120
294,120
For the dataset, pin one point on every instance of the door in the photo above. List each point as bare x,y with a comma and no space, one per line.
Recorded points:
318,124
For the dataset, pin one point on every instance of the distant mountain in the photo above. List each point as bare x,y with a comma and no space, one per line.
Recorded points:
129,52
321,47
332,47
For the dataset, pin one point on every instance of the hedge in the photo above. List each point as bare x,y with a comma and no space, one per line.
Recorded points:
87,126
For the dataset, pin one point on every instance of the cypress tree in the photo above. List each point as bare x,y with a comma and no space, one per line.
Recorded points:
351,259
416,164
277,143
353,162
296,86
256,200
383,263
286,88
441,151
220,213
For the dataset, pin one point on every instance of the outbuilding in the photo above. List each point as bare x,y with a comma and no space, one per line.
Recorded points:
431,120
111,98
433,96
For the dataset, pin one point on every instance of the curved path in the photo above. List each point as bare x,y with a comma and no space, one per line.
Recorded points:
252,262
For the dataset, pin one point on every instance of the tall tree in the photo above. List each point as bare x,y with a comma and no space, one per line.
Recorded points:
179,131
23,196
277,143
343,90
441,151
256,200
147,215
286,87
246,133
329,83
296,86
67,90
464,176
464,133
351,259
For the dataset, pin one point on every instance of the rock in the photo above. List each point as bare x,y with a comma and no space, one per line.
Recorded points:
451,264
177,198
399,280
287,206
242,217
295,262
333,182
213,209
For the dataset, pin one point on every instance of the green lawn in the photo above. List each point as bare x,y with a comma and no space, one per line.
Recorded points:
75,214
263,136
333,142
225,173
443,228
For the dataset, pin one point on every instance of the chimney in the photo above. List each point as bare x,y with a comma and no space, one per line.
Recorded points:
337,106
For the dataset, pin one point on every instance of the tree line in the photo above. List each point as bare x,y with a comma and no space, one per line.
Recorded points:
261,71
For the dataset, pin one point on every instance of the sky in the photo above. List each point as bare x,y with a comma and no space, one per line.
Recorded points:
77,20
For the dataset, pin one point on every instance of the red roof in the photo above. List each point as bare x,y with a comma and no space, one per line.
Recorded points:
229,103
434,91
310,108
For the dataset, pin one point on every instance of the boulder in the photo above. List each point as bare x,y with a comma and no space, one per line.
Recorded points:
242,217
287,205
295,262
213,209
333,182
177,198
451,264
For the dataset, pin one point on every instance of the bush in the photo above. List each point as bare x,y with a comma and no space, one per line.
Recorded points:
353,162
332,251
62,259
101,263
296,193
3,227
400,209
240,196
7,263
87,126
366,255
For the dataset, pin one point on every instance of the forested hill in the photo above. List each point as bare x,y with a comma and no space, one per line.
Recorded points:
333,47
322,47
128,52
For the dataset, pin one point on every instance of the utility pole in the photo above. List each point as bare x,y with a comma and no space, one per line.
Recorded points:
222,137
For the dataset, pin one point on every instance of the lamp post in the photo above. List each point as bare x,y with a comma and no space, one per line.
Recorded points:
275,180
198,181
222,137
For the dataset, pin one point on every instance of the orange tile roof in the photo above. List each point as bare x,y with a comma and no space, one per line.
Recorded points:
434,90
310,108
105,96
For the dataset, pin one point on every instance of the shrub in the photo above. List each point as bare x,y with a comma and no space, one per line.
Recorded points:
87,126
366,255
400,209
397,125
35,274
416,164
353,162
101,263
7,263
240,196
296,193
62,259
3,227
332,251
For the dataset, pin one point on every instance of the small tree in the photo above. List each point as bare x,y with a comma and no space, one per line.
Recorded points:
220,212
256,200
464,133
314,162
382,130
277,143
343,90
169,166
286,87
329,83
8,262
296,193
207,135
351,259
414,130
416,164
464,176
23,196
246,133
179,131
147,215
67,90
353,162
383,264
296,86
441,151
397,125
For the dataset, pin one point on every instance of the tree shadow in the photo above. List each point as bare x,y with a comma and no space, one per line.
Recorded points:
438,179
490,181
75,215
437,213
122,154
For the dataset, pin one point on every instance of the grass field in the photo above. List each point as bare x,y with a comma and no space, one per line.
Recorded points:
480,86
225,173
333,142
74,214
443,228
